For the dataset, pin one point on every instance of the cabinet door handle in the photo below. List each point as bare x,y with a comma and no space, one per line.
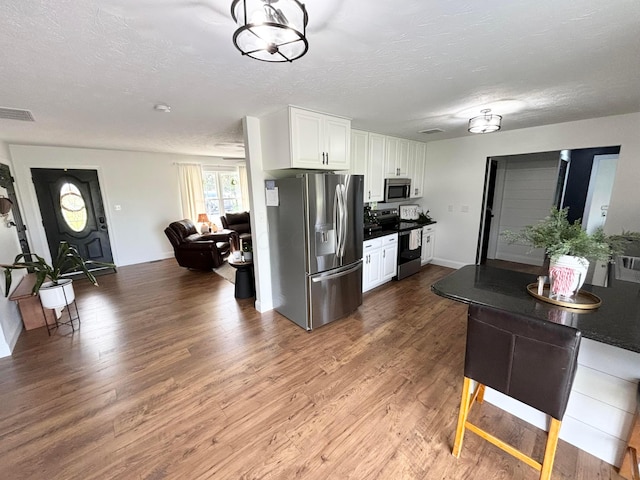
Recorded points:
323,158
369,194
327,158
384,254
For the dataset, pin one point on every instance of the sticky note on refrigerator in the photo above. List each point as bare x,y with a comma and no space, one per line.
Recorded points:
273,199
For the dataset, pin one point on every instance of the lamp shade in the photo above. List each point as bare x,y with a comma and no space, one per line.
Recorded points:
202,218
270,30
485,123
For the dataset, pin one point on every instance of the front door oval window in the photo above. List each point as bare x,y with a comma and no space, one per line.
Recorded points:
73,207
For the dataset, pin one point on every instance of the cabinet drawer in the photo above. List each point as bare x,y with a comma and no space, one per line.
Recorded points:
390,239
372,244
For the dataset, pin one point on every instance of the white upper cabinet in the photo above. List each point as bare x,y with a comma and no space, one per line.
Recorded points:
397,158
299,138
374,185
417,159
380,157
359,154
337,143
367,158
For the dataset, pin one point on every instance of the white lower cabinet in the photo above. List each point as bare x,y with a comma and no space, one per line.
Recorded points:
428,243
380,261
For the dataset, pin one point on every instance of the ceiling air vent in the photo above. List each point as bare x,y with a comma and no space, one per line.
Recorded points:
429,131
16,114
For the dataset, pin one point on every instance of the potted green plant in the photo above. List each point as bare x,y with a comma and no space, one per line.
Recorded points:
567,245
55,291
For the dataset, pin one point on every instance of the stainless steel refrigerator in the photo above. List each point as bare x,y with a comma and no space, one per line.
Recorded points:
315,239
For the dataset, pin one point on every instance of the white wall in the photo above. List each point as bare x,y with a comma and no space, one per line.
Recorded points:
455,176
10,320
145,185
259,226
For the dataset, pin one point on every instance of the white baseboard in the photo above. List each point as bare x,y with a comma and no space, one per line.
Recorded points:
263,306
448,263
12,337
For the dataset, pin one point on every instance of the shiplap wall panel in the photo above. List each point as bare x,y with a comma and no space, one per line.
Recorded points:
615,361
527,196
596,442
610,420
606,388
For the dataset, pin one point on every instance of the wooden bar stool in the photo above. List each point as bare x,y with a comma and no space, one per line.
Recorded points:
525,358
629,468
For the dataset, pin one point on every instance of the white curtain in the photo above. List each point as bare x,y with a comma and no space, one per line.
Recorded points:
244,186
191,190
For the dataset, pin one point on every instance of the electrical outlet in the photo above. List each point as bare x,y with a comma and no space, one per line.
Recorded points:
450,208
117,208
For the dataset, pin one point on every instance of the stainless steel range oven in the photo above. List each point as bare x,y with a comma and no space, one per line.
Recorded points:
409,249
409,239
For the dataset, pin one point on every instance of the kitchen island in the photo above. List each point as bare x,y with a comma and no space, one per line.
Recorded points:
600,411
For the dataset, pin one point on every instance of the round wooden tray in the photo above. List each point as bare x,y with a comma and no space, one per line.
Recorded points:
582,300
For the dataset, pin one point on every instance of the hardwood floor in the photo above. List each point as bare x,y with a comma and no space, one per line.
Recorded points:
169,377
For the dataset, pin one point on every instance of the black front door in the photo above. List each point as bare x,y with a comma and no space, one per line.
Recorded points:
6,182
72,210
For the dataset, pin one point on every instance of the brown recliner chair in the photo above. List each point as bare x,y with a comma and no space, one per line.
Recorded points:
239,223
200,252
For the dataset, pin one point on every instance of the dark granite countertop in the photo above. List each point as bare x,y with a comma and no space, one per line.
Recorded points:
616,322
381,233
378,234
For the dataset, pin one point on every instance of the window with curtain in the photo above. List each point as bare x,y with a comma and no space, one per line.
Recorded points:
222,191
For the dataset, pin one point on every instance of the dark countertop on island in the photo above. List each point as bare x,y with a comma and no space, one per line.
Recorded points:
616,322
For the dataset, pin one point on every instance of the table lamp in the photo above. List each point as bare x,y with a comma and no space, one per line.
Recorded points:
204,220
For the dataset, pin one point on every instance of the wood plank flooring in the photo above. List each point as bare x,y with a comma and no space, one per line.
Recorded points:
170,377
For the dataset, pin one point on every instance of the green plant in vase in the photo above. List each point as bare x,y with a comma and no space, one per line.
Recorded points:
568,246
50,276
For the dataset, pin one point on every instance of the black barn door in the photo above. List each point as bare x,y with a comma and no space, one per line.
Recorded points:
72,210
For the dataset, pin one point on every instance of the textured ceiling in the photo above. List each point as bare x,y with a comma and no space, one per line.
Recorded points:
91,71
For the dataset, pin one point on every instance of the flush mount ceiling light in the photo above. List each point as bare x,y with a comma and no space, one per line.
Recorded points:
485,123
270,30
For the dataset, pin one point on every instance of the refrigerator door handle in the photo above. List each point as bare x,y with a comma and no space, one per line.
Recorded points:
336,219
345,218
339,218
342,212
340,273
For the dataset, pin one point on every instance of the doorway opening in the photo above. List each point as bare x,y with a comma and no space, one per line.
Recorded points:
6,182
521,189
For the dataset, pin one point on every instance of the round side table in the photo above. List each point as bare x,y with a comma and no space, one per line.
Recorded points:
245,287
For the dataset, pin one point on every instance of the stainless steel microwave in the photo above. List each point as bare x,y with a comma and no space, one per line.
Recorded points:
397,189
